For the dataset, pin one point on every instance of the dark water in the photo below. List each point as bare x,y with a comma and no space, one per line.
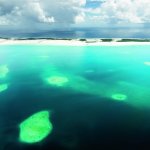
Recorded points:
139,32
84,115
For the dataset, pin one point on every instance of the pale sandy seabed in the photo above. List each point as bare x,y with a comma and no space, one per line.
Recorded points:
73,42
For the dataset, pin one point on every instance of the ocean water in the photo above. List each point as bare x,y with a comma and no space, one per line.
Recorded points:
118,32
98,97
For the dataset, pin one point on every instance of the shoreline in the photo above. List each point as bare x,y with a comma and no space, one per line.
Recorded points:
70,42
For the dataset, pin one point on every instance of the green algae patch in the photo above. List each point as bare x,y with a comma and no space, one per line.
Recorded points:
3,71
57,80
35,128
3,87
119,97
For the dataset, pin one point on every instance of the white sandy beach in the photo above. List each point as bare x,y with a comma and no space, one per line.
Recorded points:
73,42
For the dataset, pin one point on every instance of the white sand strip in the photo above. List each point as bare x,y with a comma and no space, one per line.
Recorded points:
74,42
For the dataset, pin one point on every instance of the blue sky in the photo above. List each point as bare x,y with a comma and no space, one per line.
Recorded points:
92,3
48,14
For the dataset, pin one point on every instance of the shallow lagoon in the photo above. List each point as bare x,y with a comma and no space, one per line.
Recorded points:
98,96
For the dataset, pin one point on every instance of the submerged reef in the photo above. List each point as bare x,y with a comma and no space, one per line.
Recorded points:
3,87
3,75
3,71
147,63
119,97
57,80
125,91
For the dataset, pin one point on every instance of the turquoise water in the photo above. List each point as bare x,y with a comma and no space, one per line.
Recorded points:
96,95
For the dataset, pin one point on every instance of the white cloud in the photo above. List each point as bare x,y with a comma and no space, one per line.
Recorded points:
80,18
123,11
37,13
35,10
97,0
27,12
6,19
